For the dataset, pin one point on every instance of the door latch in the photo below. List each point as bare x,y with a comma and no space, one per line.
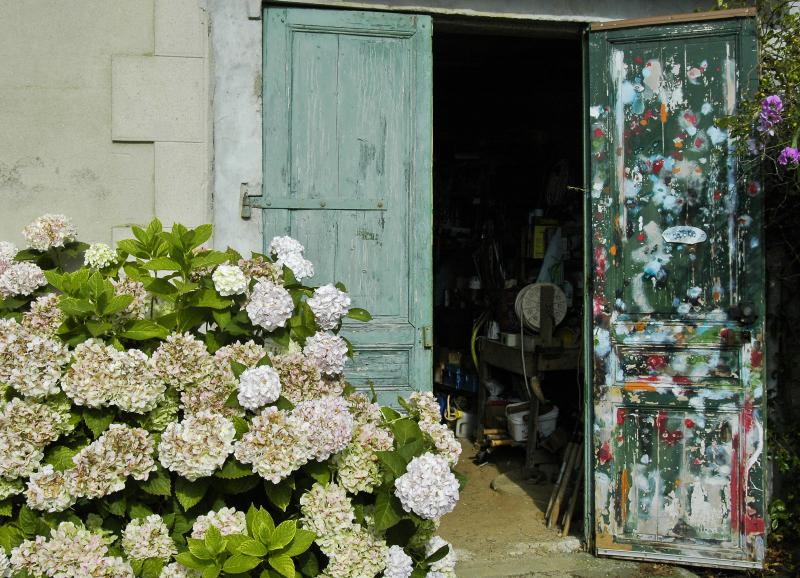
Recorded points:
427,337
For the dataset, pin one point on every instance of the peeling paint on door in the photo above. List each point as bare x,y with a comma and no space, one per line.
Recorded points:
678,299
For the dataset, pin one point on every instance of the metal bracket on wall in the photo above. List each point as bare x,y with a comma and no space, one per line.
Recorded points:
250,202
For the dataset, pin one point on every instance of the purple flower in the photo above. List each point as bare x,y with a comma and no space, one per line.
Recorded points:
789,155
770,114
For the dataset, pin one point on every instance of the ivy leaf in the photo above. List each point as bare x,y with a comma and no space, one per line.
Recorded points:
283,565
233,470
145,329
239,563
158,484
189,493
388,511
359,314
98,420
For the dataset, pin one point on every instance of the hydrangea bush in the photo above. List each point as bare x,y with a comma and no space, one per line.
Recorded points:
167,411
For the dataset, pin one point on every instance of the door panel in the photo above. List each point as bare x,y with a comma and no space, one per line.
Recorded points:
678,297
347,134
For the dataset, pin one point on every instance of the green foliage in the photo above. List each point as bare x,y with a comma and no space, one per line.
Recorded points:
176,273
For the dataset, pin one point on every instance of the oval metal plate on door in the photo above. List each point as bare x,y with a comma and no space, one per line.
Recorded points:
684,234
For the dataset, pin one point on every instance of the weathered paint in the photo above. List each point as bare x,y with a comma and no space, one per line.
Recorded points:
347,135
678,404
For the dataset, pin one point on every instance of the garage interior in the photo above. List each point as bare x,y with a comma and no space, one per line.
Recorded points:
508,214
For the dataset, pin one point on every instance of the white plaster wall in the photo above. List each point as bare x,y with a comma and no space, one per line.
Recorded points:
103,113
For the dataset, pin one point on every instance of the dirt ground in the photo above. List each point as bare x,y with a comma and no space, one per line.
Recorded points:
500,533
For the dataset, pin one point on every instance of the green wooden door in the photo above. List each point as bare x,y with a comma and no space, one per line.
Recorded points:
678,297
347,171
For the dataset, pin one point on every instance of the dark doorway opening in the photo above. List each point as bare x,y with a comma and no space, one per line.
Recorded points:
508,204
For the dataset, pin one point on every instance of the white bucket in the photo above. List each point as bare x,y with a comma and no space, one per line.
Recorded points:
465,425
517,422
547,422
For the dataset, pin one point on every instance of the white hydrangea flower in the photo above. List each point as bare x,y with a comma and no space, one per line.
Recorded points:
358,469
141,299
148,537
328,423
21,278
445,441
50,490
103,467
328,352
45,315
197,446
446,567
101,375
26,428
424,402
398,563
49,231
226,520
5,564
276,445
284,245
355,553
71,552
270,305
229,280
212,394
99,256
301,267
329,305
7,253
30,363
258,386
182,360
175,570
10,488
327,511
428,488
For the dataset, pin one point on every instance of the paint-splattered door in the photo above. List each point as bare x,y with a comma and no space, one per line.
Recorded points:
678,316
347,171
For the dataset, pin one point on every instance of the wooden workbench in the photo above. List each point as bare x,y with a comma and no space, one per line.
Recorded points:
494,354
